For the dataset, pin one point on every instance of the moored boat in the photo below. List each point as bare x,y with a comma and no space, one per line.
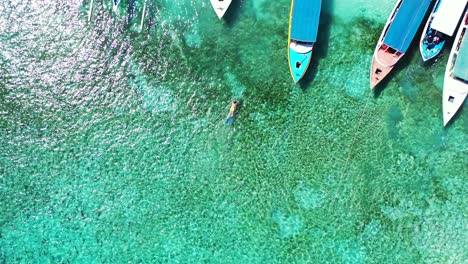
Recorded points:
303,28
220,6
396,37
115,5
456,74
440,26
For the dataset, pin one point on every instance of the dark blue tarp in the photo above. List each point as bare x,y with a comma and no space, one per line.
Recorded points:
305,20
406,23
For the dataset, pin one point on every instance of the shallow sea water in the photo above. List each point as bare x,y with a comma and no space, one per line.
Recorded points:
114,147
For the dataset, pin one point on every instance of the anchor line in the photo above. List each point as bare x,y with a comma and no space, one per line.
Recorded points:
350,151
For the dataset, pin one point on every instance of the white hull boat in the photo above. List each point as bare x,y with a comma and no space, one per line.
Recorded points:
220,6
456,74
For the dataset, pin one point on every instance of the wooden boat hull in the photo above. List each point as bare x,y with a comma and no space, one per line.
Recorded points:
396,37
379,69
220,7
382,63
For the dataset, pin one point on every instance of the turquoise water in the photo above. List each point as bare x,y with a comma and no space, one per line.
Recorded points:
114,148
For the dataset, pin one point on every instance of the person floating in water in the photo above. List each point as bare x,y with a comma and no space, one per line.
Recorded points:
232,112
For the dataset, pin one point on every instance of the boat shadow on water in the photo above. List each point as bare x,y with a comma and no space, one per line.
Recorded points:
321,46
233,13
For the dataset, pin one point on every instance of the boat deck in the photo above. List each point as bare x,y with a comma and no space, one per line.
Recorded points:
384,60
386,57
461,64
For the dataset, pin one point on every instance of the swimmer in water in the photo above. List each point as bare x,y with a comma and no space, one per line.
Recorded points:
232,112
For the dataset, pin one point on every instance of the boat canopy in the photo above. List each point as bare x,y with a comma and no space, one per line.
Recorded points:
305,18
405,24
461,64
447,16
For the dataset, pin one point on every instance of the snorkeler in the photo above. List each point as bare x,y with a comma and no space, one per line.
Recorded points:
232,112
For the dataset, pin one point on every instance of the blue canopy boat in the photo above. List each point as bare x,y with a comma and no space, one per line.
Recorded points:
396,37
303,29
440,25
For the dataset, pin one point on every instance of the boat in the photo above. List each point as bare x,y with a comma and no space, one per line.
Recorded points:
396,37
303,28
220,6
440,26
456,74
115,5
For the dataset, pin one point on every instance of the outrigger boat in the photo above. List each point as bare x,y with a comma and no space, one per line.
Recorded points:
303,28
456,74
440,26
396,37
220,6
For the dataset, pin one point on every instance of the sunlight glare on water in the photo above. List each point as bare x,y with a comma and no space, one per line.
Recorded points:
114,146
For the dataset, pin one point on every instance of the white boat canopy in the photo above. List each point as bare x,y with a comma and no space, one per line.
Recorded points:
447,16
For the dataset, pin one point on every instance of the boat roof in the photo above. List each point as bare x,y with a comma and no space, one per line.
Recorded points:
305,16
447,16
405,24
461,64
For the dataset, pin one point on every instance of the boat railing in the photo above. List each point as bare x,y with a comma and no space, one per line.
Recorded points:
460,79
397,8
304,43
391,50
452,63
387,49
390,20
460,39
